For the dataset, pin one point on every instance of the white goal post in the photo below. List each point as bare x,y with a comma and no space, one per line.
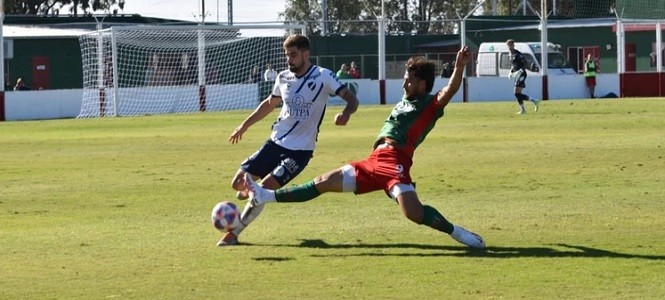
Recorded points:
145,70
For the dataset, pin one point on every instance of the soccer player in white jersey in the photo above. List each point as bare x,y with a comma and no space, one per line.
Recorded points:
304,90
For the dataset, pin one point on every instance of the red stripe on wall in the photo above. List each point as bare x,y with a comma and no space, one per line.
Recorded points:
641,85
2,106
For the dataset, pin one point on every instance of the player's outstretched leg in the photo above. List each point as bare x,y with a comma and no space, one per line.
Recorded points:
257,194
468,238
433,218
249,214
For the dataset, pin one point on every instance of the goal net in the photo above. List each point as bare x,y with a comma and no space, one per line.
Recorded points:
145,70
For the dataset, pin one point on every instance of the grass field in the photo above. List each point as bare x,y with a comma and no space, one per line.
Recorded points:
570,201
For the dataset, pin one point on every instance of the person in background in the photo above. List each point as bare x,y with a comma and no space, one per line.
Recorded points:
20,85
255,76
150,69
354,72
8,85
303,90
518,75
447,70
590,69
212,76
388,167
270,74
343,72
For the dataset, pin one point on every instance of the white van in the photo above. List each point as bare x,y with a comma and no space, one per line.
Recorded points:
494,59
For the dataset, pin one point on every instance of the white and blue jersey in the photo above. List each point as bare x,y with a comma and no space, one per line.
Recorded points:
304,104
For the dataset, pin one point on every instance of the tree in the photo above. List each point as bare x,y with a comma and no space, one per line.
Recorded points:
76,7
353,16
564,8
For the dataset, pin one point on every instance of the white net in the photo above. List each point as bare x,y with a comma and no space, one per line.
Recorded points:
145,70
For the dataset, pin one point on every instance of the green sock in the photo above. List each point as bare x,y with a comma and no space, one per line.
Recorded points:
297,193
434,219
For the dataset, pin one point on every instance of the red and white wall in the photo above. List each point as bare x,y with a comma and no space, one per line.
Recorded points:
55,104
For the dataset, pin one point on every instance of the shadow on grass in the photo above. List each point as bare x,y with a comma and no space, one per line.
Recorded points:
489,252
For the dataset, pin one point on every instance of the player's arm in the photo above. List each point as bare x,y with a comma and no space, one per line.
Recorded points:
586,65
447,93
351,106
265,107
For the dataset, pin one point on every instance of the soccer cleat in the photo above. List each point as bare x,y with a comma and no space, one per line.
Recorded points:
467,238
257,193
521,112
229,239
536,103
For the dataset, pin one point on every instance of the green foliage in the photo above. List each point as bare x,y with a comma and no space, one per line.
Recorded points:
407,16
77,7
569,200
564,8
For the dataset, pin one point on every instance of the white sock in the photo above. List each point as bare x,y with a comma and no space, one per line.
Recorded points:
456,232
270,196
266,196
522,107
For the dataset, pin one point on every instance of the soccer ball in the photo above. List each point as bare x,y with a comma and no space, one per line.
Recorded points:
225,216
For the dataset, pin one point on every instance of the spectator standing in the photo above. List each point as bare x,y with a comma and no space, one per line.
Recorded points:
8,85
343,72
590,69
354,72
255,76
270,74
20,85
447,70
212,76
150,70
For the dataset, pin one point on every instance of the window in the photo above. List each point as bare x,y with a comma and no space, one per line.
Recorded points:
504,61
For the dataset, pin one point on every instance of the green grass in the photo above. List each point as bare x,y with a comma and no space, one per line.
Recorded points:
570,201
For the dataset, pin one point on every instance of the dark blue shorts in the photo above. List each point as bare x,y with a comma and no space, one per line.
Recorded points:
282,163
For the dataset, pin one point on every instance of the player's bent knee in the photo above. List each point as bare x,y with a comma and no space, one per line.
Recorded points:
348,178
237,185
238,181
401,188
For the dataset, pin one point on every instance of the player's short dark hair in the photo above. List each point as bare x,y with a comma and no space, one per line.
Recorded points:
423,69
297,40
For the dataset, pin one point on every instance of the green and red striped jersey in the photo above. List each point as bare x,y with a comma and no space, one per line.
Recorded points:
410,121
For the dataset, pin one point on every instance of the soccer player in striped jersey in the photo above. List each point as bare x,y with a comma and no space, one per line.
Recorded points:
388,166
303,90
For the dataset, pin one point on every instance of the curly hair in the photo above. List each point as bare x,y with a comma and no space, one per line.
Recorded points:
423,69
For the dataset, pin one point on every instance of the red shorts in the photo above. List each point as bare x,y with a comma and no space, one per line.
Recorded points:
384,168
591,81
